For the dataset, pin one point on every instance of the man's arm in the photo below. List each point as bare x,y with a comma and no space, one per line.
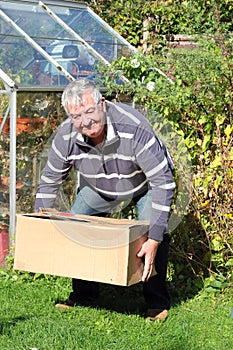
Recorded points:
152,159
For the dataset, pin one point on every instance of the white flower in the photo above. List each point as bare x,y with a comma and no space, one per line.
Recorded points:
134,63
150,86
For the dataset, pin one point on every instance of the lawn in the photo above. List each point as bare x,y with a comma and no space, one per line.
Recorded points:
30,321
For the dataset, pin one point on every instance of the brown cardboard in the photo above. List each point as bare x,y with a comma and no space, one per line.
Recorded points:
80,246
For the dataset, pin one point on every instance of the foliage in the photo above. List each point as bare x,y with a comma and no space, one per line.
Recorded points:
11,65
166,18
193,90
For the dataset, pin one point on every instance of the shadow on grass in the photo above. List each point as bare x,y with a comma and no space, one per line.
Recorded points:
7,324
127,300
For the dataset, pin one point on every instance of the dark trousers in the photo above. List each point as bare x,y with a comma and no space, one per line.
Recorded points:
155,290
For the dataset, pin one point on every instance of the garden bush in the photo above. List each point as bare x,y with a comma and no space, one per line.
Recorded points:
193,91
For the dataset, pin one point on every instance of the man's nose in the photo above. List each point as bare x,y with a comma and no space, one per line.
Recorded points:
85,120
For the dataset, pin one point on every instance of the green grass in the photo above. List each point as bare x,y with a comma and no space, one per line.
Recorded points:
29,320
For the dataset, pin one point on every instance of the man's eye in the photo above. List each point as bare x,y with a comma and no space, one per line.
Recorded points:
75,117
90,111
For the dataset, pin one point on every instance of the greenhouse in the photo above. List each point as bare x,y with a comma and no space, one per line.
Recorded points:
43,46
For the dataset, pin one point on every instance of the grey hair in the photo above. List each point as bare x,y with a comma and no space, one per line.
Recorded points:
72,95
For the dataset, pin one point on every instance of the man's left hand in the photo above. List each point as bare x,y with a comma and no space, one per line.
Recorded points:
148,251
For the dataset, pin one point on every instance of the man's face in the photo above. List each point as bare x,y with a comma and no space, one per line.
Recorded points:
88,117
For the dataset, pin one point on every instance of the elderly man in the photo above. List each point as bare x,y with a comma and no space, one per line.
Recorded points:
119,158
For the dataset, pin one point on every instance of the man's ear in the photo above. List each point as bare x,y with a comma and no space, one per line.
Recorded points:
103,101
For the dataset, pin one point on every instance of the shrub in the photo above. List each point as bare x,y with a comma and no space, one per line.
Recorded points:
193,90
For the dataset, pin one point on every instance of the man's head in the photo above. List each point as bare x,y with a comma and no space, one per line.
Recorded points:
85,105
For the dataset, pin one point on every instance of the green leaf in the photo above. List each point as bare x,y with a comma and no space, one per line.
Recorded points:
217,245
229,262
228,130
205,142
216,162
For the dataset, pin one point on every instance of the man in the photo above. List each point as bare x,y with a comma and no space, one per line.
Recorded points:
119,158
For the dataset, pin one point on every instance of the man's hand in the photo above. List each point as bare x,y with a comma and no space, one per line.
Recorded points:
148,251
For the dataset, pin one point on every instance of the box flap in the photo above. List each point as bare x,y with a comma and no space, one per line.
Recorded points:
58,215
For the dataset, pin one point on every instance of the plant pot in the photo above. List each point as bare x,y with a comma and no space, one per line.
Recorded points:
28,124
23,124
4,242
6,128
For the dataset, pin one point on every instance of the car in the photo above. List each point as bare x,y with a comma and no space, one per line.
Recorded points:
75,58
70,50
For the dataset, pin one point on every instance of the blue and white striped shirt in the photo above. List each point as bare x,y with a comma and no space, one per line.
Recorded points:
131,160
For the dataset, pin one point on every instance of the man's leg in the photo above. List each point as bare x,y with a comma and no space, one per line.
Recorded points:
155,289
89,202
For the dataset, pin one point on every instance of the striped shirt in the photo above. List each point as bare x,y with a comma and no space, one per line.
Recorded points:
131,160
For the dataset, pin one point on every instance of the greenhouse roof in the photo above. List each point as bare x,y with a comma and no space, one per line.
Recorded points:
44,45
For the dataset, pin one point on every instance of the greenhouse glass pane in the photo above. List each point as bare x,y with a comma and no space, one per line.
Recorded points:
78,54
96,33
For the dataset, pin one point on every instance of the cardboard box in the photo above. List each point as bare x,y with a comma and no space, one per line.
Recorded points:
80,246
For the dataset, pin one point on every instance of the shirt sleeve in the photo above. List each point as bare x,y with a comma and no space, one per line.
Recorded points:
155,161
